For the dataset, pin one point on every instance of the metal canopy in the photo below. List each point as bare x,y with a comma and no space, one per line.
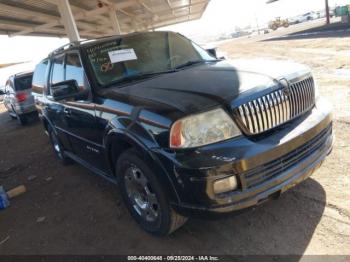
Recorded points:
93,18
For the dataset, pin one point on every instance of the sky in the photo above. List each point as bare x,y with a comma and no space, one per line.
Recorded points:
220,16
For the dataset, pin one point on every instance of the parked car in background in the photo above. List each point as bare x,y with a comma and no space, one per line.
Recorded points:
297,19
310,16
303,18
2,93
181,132
18,98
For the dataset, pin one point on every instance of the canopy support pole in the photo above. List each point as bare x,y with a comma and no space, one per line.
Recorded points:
68,20
114,21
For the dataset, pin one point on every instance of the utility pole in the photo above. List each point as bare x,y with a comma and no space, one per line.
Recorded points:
257,24
327,13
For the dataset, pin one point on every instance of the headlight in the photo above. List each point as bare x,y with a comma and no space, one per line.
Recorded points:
202,129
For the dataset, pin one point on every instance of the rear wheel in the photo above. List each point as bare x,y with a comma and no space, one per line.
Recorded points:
58,149
144,196
22,119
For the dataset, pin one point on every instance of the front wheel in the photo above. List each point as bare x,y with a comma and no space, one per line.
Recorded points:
144,196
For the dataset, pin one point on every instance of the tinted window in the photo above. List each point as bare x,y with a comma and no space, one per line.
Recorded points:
151,52
57,70
39,77
74,69
23,82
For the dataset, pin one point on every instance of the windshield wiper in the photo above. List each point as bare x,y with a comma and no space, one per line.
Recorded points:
140,76
194,62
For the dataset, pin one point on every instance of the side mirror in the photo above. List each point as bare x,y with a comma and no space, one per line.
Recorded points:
212,52
64,89
2,92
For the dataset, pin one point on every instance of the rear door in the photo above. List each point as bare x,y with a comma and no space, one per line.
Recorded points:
39,84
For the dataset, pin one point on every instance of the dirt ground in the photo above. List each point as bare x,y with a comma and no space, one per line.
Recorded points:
67,210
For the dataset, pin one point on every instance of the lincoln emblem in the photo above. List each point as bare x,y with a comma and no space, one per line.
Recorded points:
286,88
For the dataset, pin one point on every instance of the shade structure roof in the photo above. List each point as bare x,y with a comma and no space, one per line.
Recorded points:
94,18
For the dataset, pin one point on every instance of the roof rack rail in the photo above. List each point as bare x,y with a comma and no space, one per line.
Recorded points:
99,38
64,47
76,43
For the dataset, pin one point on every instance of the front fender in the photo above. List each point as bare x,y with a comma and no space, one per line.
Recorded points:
133,135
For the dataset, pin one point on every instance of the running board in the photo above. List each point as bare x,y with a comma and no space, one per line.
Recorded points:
90,167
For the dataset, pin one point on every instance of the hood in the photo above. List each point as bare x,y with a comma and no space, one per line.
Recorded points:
204,86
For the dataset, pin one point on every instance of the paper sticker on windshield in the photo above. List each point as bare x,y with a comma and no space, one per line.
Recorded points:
122,55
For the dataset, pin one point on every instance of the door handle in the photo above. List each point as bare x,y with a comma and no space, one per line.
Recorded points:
67,111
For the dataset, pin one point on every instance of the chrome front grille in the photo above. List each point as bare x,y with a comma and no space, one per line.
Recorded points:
276,108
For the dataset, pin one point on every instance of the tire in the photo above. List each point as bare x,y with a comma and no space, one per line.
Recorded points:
58,149
22,119
144,196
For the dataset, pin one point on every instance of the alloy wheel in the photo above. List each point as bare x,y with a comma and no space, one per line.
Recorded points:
140,193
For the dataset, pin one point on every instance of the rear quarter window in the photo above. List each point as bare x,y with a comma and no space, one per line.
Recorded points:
39,77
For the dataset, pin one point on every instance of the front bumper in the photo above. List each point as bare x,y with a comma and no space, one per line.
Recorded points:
265,166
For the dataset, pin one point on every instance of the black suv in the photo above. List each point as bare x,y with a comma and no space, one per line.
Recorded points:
181,132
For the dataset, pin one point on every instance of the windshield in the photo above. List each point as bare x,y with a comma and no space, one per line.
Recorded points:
142,54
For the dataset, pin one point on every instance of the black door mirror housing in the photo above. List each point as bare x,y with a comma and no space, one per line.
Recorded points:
2,92
64,89
212,52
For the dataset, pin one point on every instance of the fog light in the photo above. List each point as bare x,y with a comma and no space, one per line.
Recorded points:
225,185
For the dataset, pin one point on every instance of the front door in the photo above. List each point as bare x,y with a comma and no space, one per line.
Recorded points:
79,116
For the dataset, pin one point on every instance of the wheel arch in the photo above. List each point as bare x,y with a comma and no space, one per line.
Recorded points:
118,141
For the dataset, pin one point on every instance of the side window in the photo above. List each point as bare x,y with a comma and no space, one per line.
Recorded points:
39,77
74,69
57,73
8,86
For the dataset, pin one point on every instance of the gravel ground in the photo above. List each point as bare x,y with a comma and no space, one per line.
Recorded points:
67,210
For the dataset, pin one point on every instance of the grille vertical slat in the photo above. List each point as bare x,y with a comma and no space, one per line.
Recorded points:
283,114
277,107
268,112
249,123
302,95
274,115
252,115
263,113
293,103
308,91
258,115
297,98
